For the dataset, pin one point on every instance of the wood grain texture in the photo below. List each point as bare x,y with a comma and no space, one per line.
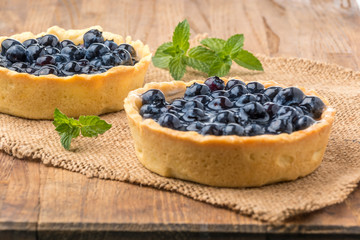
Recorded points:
39,202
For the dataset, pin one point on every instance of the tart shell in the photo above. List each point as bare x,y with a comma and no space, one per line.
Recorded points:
225,161
36,97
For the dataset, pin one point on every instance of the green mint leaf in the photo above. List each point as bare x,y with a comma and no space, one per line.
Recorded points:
69,128
215,44
177,67
59,118
92,126
173,51
248,60
201,58
202,54
161,59
181,35
67,136
234,44
220,67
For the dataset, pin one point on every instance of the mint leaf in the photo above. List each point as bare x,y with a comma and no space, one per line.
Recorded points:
234,44
248,60
181,35
215,44
201,58
161,59
220,67
69,128
177,67
92,126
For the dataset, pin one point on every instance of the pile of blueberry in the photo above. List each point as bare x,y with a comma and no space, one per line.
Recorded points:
236,108
47,55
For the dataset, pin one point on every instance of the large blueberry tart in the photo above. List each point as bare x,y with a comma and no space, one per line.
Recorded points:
81,72
229,133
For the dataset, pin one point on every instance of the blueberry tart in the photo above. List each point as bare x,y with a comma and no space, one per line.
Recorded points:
81,72
229,133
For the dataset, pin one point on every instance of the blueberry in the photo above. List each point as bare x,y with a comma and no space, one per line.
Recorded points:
89,69
33,52
61,58
151,111
16,69
92,36
303,122
46,70
30,70
244,99
215,83
21,65
83,62
287,112
72,67
271,108
254,129
66,42
179,103
233,129
289,96
73,52
242,117
219,103
193,114
211,129
256,111
195,126
109,59
5,63
204,99
16,53
153,96
237,91
271,92
96,50
111,44
278,126
234,82
125,57
49,40
262,98
130,49
29,42
255,87
197,89
193,104
96,62
170,121
7,43
51,50
220,93
313,106
225,117
46,59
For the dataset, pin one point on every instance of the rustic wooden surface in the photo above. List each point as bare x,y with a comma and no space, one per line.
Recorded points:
39,202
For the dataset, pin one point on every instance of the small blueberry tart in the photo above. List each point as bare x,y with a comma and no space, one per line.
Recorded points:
81,72
229,133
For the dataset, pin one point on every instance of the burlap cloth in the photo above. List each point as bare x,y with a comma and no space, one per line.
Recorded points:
111,155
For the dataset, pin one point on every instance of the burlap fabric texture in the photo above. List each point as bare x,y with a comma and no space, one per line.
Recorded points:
111,155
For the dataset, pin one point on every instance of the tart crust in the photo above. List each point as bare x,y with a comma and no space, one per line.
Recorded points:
225,161
36,97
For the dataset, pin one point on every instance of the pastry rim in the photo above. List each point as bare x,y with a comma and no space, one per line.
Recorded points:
142,63
132,110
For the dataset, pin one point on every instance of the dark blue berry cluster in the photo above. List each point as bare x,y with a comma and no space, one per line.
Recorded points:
47,55
236,108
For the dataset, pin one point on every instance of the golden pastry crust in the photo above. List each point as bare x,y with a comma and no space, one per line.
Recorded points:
225,161
36,97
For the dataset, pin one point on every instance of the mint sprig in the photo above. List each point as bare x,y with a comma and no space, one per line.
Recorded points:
69,128
214,57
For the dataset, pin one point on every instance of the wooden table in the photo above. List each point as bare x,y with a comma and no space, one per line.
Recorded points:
39,202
